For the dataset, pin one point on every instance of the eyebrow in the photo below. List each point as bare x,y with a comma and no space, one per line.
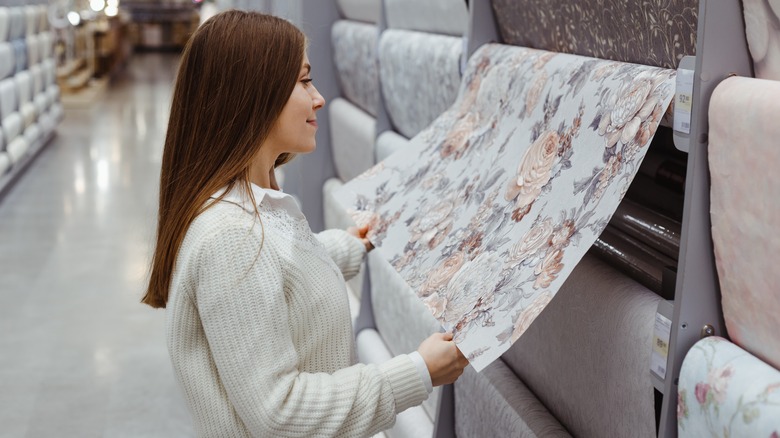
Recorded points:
307,67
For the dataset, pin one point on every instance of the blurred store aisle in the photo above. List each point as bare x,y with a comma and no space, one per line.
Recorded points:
79,355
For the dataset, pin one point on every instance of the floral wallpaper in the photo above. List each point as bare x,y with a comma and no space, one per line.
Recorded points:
420,77
727,392
489,208
650,32
762,26
354,53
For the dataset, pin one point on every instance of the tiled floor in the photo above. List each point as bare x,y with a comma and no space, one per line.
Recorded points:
79,356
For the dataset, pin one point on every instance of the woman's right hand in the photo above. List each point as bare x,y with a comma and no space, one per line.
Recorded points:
444,360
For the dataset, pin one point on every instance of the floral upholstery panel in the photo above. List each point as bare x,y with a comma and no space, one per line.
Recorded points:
745,212
727,392
602,323
449,17
650,32
490,208
762,25
360,10
495,403
402,319
420,77
389,143
354,53
352,139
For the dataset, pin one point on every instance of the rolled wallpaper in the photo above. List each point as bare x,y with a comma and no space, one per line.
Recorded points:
15,23
745,212
449,17
389,143
599,328
762,26
353,133
420,77
4,23
20,55
354,53
656,230
5,162
360,10
33,49
489,209
7,62
650,32
727,392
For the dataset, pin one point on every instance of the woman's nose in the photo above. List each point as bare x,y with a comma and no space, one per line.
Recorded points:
317,100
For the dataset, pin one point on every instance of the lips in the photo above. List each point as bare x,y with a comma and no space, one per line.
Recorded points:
312,122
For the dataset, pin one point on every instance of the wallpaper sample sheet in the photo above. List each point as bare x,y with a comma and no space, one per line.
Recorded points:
489,209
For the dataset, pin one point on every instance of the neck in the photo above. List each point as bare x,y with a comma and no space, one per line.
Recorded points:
261,172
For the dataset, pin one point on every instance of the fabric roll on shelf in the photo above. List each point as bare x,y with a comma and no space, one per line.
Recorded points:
17,148
31,20
4,23
20,55
32,134
636,32
762,26
388,143
420,77
354,53
12,127
353,133
436,16
360,10
665,170
413,422
7,60
657,231
33,50
745,212
726,391
5,162
636,259
15,23
645,191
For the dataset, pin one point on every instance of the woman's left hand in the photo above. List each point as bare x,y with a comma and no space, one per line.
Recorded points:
360,233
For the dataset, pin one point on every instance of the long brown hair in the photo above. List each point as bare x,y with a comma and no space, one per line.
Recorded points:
236,74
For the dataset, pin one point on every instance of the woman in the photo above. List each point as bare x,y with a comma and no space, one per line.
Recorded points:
258,323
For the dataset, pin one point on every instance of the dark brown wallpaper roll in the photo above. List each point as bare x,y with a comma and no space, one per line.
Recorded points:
650,32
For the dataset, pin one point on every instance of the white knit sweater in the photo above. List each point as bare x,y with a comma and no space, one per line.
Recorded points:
259,330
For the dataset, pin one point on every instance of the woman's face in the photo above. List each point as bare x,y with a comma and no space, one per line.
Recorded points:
296,127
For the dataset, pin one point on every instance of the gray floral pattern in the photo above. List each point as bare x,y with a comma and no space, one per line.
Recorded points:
420,77
727,392
354,53
489,209
650,32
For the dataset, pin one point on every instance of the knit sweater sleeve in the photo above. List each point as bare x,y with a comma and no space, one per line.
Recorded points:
243,309
345,249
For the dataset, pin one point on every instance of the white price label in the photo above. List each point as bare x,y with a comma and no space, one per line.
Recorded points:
661,335
683,100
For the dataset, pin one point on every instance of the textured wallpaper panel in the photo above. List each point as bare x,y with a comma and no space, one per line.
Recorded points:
489,209
650,32
745,212
420,77
354,53
449,17
762,25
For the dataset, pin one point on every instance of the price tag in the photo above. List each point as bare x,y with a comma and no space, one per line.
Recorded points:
683,99
661,335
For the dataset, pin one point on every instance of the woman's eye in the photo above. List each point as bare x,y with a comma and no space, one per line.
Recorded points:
306,82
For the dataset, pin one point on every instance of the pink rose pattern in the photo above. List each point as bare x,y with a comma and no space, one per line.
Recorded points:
491,207
727,402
